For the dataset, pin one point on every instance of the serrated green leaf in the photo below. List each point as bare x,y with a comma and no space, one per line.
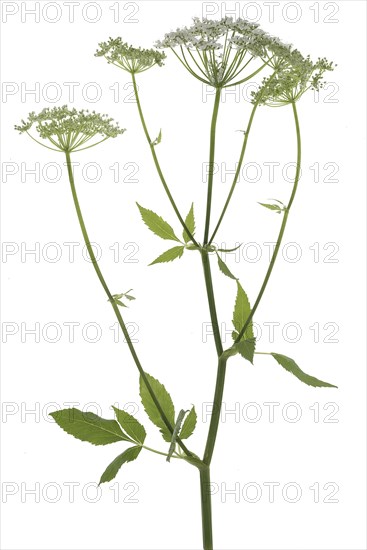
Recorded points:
87,426
110,472
176,429
247,349
190,224
130,425
241,313
157,224
165,401
169,255
224,269
189,425
291,366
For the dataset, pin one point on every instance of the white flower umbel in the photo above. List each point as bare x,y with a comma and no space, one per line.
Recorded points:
68,129
293,76
218,52
132,60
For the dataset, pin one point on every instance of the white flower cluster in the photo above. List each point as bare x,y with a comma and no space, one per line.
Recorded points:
69,129
224,48
217,52
206,34
293,76
203,35
133,60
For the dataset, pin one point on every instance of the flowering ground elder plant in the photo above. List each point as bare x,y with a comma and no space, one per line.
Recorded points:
218,53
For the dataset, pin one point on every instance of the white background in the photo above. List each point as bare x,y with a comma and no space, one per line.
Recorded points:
171,307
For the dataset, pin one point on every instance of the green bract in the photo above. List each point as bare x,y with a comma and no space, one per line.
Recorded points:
133,60
294,75
69,129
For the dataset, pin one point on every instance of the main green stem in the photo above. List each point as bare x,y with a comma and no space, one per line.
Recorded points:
282,227
156,162
113,304
206,509
222,361
204,473
213,127
223,357
211,300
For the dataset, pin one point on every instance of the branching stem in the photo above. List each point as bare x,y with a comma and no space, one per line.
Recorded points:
114,305
156,162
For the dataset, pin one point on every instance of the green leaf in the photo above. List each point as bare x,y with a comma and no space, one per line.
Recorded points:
130,425
158,139
241,313
247,349
176,429
189,425
127,456
190,224
291,366
169,255
87,426
224,269
229,249
157,224
116,298
165,401
278,208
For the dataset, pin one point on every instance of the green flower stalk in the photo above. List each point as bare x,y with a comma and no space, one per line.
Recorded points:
68,130
220,54
117,53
